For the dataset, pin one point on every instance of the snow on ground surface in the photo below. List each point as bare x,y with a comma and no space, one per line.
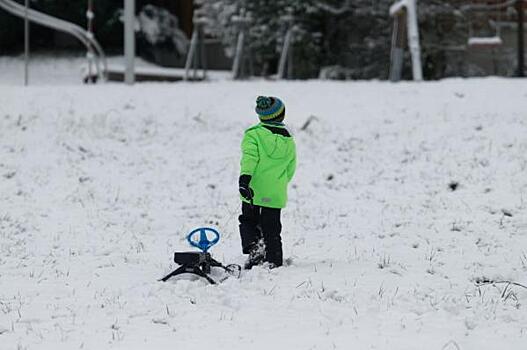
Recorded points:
100,184
45,69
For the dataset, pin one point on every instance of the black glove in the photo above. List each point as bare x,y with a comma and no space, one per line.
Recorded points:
246,191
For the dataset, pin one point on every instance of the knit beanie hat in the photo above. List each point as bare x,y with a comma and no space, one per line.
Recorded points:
269,108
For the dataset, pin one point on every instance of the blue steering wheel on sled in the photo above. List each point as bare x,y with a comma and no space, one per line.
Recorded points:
204,243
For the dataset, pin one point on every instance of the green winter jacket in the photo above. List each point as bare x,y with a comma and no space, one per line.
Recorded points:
269,157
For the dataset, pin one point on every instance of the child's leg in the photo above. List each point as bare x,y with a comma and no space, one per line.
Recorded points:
249,221
271,229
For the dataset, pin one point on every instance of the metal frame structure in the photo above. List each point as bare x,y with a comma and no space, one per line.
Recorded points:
90,15
84,36
405,15
521,38
129,41
286,57
492,42
485,41
60,25
26,43
243,54
197,53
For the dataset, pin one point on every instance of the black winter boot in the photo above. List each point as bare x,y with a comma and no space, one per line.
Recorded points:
256,256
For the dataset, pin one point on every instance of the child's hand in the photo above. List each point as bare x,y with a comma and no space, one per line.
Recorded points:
245,190
247,193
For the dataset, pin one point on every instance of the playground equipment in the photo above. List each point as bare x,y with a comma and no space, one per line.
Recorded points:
197,53
492,42
476,40
96,54
97,67
242,65
129,41
82,35
90,15
286,57
520,8
405,29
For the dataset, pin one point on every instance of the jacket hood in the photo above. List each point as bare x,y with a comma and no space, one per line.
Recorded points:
276,146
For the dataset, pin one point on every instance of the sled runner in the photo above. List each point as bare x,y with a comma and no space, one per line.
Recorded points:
201,263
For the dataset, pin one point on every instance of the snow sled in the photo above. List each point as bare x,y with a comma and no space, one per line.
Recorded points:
201,263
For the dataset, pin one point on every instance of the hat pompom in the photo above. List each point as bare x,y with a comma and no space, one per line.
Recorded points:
263,102
269,108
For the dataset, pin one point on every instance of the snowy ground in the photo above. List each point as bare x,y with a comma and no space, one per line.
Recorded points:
99,185
45,69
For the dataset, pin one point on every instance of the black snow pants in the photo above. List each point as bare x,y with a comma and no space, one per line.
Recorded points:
260,222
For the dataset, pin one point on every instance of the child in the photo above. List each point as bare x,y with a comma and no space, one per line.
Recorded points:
267,165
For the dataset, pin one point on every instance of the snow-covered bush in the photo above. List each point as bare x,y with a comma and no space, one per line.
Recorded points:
158,27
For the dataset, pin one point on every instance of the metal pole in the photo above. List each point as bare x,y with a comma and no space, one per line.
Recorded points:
290,62
26,44
285,54
521,46
129,41
191,53
397,51
238,56
413,39
89,17
203,52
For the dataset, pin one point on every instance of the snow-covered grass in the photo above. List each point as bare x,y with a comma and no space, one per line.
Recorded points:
68,69
44,69
99,185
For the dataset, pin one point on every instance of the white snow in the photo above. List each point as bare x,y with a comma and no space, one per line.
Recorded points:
100,184
483,41
46,70
156,71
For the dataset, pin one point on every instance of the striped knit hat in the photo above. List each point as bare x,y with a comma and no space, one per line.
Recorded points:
269,108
